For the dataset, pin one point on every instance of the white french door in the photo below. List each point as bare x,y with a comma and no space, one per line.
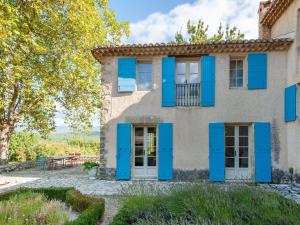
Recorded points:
238,163
144,153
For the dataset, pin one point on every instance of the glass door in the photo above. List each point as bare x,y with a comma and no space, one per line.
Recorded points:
145,153
237,153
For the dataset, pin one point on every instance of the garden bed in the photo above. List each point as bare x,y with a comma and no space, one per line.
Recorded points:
91,209
209,204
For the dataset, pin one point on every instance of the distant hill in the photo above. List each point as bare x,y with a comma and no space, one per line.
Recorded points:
67,129
64,133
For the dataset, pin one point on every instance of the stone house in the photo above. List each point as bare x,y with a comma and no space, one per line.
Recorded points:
223,111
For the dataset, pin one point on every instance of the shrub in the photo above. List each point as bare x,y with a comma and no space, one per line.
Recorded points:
27,146
209,204
89,165
32,208
92,208
21,147
50,193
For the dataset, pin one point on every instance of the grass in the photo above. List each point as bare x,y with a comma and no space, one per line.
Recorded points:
32,208
209,205
91,209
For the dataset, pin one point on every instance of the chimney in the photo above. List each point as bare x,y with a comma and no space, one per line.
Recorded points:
264,32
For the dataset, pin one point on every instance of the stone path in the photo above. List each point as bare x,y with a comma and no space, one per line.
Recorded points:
287,190
74,177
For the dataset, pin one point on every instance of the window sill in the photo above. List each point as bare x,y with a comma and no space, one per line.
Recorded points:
238,88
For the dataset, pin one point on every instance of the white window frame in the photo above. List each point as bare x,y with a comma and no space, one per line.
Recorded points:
245,66
229,171
145,171
137,75
187,69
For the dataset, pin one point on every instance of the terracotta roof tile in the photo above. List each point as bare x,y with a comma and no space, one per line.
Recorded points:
256,45
274,12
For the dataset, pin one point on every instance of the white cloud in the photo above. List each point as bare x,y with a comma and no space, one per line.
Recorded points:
159,27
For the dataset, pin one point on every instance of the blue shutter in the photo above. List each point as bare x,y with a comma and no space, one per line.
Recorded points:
208,80
165,151
168,81
126,74
257,70
262,144
290,96
123,151
216,152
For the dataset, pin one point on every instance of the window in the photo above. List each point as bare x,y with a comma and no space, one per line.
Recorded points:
187,72
144,76
187,83
236,72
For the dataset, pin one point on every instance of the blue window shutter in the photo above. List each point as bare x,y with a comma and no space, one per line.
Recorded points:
168,81
126,74
257,70
208,80
290,107
262,144
165,151
216,152
123,151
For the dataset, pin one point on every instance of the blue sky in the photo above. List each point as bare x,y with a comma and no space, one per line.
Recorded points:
158,20
136,10
153,21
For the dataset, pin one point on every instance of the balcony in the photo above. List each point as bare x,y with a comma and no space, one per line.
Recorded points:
187,94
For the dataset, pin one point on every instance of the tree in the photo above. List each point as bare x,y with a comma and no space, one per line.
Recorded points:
46,60
197,33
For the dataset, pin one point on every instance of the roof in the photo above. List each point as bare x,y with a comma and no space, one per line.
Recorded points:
257,45
276,9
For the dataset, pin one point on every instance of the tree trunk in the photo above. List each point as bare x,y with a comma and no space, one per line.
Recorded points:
4,144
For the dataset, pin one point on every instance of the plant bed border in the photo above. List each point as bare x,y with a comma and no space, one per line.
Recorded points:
91,209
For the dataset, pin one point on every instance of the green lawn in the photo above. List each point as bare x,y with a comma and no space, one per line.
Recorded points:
209,205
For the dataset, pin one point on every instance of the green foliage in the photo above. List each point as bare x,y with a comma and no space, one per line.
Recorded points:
22,146
15,210
92,208
51,193
197,33
46,59
25,146
209,204
89,165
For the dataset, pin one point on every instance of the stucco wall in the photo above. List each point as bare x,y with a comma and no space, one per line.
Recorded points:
191,124
288,25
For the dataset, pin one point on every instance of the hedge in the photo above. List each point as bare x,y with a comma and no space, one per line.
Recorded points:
91,208
50,193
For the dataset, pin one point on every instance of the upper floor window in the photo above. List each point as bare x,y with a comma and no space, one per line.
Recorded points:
236,79
144,81
187,72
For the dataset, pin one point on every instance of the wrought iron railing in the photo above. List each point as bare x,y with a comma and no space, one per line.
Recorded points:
188,94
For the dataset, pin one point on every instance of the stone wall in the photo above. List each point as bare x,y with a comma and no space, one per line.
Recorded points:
30,164
17,166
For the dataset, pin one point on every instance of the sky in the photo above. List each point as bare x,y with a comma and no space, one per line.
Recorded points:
156,21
